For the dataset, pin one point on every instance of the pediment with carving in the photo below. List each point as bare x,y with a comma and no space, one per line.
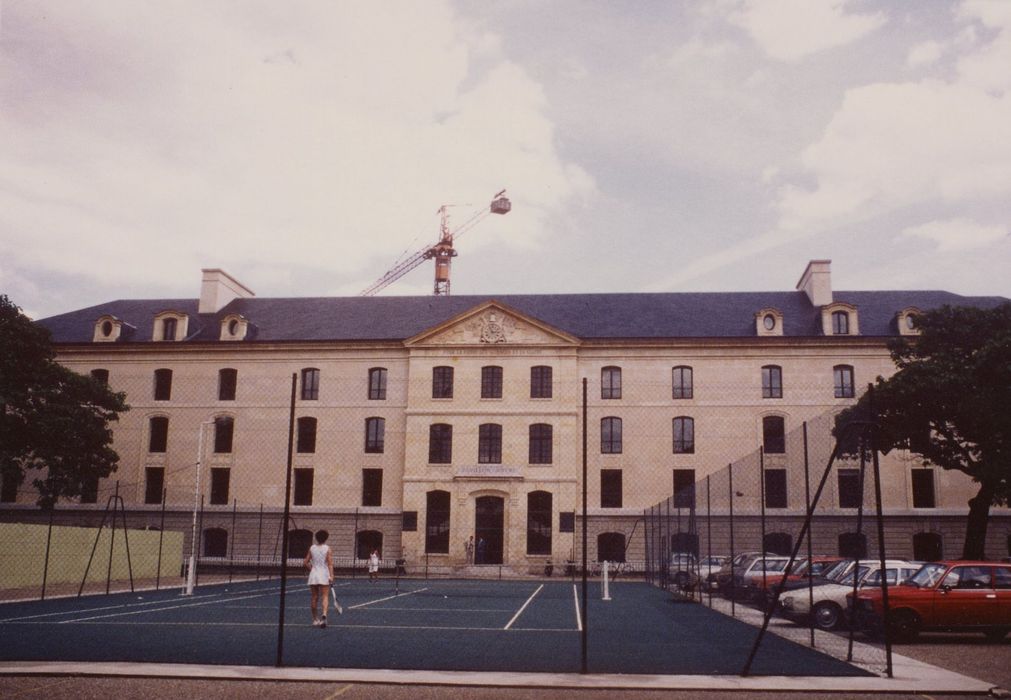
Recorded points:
492,325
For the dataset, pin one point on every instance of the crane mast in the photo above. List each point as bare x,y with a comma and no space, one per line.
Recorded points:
442,252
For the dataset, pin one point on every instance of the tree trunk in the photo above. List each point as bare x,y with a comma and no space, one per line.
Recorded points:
975,530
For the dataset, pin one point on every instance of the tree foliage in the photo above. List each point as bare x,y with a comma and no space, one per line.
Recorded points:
950,403
54,423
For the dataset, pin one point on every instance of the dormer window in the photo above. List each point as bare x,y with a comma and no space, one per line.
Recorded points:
839,319
769,322
170,326
108,329
234,327
906,321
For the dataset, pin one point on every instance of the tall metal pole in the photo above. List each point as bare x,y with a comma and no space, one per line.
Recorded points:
583,636
810,535
191,574
733,596
881,535
284,522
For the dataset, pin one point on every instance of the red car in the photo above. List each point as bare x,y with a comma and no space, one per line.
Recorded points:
971,596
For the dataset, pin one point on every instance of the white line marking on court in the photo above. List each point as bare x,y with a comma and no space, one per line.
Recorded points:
337,693
168,607
380,600
107,607
579,618
524,607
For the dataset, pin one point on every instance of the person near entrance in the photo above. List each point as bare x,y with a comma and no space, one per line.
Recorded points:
374,566
468,548
319,562
481,547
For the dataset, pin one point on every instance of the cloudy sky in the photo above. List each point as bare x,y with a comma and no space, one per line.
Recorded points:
648,146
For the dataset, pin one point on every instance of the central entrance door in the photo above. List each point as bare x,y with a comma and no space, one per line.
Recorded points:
489,517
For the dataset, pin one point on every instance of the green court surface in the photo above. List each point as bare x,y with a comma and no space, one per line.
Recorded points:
460,625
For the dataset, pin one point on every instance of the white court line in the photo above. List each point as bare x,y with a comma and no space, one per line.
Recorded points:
380,600
579,618
86,610
168,607
297,625
524,607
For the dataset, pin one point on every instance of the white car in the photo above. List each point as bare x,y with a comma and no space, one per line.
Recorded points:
830,598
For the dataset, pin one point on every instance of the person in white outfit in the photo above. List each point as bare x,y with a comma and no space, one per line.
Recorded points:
374,565
319,562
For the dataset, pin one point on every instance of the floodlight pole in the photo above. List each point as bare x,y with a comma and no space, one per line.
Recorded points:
191,574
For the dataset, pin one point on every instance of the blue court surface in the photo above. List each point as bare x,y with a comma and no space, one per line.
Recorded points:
518,626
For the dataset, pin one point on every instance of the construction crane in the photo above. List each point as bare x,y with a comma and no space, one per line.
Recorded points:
443,251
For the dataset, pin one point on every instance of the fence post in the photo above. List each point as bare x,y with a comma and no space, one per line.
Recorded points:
583,635
810,534
161,538
284,522
49,539
730,482
259,539
231,557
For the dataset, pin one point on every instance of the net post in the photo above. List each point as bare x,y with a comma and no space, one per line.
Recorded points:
606,571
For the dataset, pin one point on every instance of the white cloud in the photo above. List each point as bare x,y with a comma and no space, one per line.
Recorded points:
924,54
958,234
262,138
789,30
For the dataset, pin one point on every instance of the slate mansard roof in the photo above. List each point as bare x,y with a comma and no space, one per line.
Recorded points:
585,316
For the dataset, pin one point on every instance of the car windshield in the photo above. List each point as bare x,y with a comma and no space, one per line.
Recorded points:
848,578
837,570
928,575
770,564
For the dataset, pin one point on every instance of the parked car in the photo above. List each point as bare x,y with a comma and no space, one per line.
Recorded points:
803,571
720,578
747,581
973,596
829,599
683,570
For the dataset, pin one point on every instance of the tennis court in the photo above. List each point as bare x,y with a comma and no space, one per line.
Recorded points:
462,625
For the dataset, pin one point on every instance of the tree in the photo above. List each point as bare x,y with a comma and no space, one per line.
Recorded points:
54,423
950,403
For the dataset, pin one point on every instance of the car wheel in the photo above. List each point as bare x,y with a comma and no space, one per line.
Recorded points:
682,580
996,634
905,626
827,616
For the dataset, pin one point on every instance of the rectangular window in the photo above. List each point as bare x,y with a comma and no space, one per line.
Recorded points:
228,380
840,323
684,488
923,488
610,435
409,521
683,385
101,376
377,384
154,483
158,439
849,488
437,522
774,435
775,488
442,382
491,382
684,435
8,488
843,377
610,383
224,430
440,443
302,495
375,435
162,384
220,481
772,382
567,521
541,440
305,442
372,487
540,382
310,384
610,488
489,443
539,504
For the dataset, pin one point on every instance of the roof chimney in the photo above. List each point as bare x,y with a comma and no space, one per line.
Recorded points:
816,282
217,288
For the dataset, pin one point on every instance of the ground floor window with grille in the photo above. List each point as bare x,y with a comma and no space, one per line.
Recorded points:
539,522
215,542
437,522
367,541
927,546
299,542
611,547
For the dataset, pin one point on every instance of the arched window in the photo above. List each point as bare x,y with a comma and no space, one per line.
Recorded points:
158,438
306,443
610,383
375,435
682,383
437,522
611,546
774,435
686,542
778,543
299,542
440,443
610,435
310,384
853,545
927,546
366,542
377,384
228,379
840,323
224,431
215,542
538,522
843,381
489,443
772,382
684,435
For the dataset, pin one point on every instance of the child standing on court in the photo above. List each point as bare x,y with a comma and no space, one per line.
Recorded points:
374,565
319,562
